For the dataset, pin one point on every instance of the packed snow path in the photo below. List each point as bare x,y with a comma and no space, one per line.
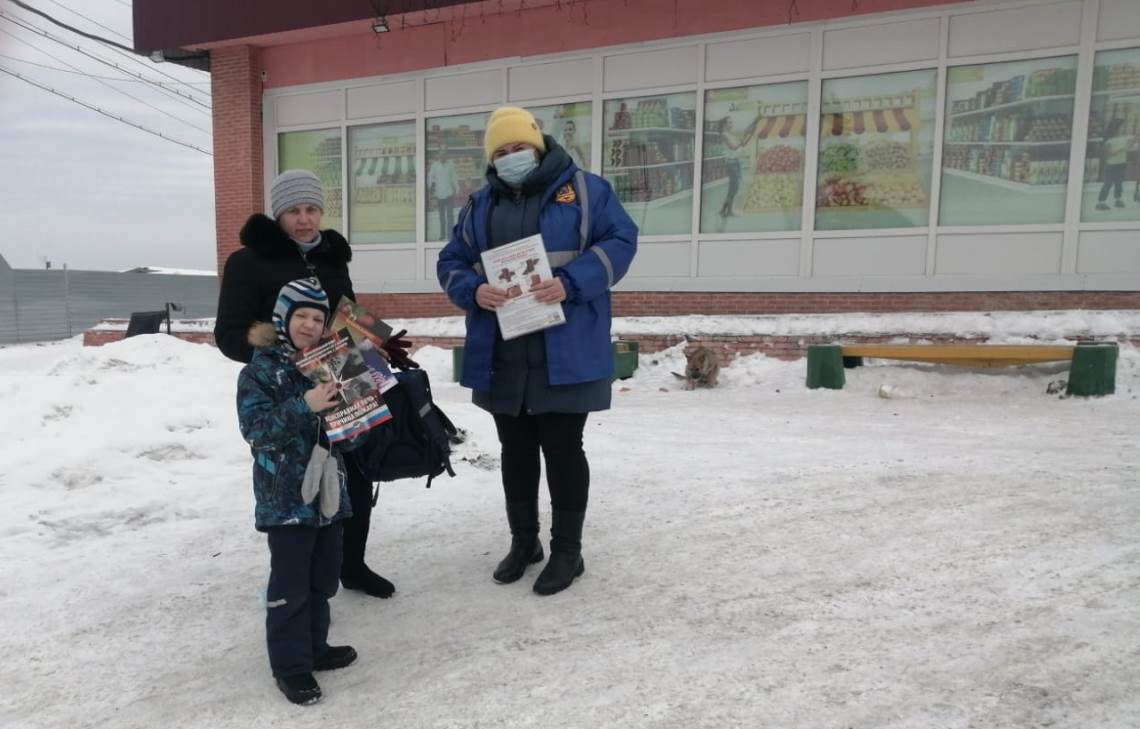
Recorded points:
965,554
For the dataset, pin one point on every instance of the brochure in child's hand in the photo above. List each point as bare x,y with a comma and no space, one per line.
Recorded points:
518,267
359,406
368,332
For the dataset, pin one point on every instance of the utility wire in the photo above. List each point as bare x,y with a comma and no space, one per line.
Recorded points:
84,73
89,19
104,83
92,107
72,28
110,43
92,56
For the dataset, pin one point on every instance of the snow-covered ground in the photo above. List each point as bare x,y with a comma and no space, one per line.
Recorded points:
964,554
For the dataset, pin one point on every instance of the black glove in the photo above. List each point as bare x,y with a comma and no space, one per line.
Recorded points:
397,349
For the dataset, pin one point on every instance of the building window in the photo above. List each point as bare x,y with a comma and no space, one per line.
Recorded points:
648,158
456,167
571,127
382,183
1005,157
1112,161
752,178
876,143
319,152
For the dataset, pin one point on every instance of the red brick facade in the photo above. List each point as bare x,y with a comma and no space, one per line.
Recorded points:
235,75
653,303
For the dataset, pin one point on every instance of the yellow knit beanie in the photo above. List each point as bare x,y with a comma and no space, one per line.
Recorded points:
510,124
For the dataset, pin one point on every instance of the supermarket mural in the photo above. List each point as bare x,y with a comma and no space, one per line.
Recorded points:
382,183
1112,164
876,141
319,152
753,171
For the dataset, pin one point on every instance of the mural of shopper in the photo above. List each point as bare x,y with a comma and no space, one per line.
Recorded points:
1114,161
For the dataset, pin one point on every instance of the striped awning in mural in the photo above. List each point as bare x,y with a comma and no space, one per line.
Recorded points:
899,119
788,125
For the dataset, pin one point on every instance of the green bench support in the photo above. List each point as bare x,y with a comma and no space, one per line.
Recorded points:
1092,372
825,367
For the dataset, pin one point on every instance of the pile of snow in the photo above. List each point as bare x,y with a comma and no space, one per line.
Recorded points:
961,554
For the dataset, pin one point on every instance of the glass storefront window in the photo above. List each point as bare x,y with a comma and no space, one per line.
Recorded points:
648,157
382,183
318,152
752,177
1005,157
456,167
1112,162
570,126
876,142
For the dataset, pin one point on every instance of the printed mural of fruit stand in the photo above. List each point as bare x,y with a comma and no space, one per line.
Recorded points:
317,151
382,202
874,156
752,177
648,157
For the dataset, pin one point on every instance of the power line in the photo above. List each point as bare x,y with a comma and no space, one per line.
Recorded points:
84,73
110,43
104,83
72,28
113,46
89,20
92,107
92,56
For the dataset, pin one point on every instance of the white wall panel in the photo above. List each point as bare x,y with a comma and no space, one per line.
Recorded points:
371,267
666,67
748,258
431,256
1020,29
914,40
998,253
467,89
382,100
770,56
324,106
1109,251
544,80
887,256
1118,19
661,259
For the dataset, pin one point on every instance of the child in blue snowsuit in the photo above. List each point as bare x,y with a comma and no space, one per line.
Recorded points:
299,487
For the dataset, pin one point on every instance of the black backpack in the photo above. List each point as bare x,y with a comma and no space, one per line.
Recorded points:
416,442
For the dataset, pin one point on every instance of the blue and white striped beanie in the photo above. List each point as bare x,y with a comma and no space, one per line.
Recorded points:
295,295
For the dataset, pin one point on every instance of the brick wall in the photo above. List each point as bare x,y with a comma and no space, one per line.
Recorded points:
638,303
235,75
99,337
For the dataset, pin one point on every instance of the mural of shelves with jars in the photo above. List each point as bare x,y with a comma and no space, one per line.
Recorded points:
649,152
1014,134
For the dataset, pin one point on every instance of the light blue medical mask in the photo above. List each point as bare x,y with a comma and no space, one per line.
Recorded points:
514,168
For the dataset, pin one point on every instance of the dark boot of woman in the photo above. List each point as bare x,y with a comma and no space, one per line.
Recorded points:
526,549
565,553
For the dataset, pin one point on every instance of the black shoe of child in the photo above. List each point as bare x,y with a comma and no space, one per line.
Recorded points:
337,656
368,582
301,689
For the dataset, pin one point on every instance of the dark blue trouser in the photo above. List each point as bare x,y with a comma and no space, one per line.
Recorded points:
304,568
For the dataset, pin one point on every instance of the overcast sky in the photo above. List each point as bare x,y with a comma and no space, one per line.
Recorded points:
80,189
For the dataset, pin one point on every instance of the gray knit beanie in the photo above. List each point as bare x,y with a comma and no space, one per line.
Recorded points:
295,187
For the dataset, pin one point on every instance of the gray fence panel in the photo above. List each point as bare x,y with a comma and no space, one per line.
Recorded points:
44,305
41,302
8,331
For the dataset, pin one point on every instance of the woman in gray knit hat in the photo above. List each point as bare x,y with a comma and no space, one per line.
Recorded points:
275,251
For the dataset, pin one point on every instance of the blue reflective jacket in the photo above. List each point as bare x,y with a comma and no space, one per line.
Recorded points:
579,350
281,431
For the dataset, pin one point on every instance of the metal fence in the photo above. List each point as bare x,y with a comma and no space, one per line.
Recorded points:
38,306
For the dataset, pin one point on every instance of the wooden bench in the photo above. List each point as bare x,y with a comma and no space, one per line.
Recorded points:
1092,368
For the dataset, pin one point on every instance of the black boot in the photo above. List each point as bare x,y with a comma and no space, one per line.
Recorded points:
565,553
365,580
336,656
526,548
301,689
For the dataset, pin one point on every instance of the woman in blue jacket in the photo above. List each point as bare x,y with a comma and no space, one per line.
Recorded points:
540,387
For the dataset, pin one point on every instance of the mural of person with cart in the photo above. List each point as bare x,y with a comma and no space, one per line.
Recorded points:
1114,161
